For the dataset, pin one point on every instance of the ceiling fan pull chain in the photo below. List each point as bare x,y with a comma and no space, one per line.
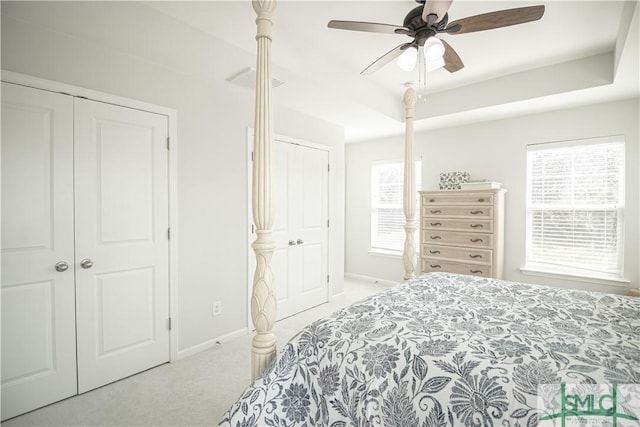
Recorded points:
422,75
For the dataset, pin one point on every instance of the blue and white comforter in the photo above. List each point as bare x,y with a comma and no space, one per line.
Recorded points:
445,350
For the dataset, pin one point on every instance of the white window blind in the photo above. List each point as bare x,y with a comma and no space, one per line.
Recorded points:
575,207
387,214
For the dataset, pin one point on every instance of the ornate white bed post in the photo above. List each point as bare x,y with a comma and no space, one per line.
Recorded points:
409,196
263,299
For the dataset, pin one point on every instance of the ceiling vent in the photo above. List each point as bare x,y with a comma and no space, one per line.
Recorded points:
247,79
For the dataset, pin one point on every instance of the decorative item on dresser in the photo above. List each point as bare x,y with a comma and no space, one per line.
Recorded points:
462,231
634,292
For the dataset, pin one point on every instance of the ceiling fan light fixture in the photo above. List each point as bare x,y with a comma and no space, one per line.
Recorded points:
407,60
433,49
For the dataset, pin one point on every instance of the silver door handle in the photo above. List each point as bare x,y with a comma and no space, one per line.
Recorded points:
61,266
86,263
292,243
300,241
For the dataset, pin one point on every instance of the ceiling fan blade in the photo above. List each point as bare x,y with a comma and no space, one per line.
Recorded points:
385,59
452,61
499,19
370,27
435,7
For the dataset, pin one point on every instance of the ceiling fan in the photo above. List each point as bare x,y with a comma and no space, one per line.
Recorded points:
431,18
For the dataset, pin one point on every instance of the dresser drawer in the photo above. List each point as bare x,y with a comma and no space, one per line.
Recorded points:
454,198
472,240
457,211
453,253
455,267
471,225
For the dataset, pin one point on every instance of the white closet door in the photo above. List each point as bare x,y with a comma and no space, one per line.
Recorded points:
283,227
311,226
122,246
300,192
38,302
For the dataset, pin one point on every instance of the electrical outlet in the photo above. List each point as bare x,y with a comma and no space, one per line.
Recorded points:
216,308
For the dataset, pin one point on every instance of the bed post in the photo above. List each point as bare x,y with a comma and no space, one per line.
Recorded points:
409,196
263,299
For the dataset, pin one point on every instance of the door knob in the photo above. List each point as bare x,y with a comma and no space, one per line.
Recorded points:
292,243
300,241
61,266
86,263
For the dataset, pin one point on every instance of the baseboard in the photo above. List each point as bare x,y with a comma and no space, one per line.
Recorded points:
370,279
190,351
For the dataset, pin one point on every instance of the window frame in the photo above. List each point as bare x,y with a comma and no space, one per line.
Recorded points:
546,269
374,246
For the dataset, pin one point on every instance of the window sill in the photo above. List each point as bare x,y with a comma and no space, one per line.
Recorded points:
385,253
601,279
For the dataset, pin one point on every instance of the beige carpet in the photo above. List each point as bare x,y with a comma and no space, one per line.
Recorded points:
194,391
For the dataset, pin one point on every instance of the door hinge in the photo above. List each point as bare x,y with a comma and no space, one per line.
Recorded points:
252,156
169,233
168,143
169,323
327,223
328,167
327,278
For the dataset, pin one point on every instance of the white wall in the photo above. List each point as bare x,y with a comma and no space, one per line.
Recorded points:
163,62
494,150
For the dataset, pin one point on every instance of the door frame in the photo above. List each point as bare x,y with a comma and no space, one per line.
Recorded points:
172,115
250,232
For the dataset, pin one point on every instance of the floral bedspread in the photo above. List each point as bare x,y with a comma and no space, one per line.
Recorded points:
445,350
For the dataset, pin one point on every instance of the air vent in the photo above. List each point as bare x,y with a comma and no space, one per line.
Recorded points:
247,79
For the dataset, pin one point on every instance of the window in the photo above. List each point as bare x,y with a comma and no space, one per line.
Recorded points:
387,214
575,207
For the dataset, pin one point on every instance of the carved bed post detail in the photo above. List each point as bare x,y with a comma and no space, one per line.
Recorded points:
263,299
409,196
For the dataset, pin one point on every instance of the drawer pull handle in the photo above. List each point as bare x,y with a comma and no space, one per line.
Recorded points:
475,256
434,252
432,200
476,240
476,271
475,212
435,237
480,200
435,266
435,224
476,225
437,211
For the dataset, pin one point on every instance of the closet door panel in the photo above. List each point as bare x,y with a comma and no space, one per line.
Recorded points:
38,301
312,231
283,260
121,242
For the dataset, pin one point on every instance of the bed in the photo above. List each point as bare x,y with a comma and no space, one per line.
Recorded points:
446,350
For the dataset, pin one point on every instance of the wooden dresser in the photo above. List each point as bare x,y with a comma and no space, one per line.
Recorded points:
462,231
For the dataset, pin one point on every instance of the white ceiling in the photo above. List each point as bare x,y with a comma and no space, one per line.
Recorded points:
580,52
567,58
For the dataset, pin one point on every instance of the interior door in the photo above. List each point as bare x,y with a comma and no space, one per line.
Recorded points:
300,229
38,300
311,228
283,227
122,247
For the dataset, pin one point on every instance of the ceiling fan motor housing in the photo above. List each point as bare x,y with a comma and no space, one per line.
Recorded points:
419,29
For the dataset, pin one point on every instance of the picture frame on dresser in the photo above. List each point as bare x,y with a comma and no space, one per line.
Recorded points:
462,231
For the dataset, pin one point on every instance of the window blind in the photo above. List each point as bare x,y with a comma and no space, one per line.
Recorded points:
575,205
387,213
